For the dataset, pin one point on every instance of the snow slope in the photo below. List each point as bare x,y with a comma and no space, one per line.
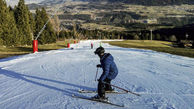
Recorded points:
46,80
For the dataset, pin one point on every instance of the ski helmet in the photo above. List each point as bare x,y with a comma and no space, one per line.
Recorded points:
99,50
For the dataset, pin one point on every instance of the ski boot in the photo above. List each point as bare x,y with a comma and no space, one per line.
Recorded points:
103,98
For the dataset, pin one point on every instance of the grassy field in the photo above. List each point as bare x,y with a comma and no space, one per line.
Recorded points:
160,46
20,50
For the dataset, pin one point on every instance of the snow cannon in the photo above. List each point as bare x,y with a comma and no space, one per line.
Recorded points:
35,46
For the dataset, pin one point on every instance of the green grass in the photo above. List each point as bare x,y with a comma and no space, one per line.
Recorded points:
20,50
160,46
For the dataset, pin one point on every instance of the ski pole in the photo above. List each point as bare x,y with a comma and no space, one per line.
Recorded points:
96,73
128,91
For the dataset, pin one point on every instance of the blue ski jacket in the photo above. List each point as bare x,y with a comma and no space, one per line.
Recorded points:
109,67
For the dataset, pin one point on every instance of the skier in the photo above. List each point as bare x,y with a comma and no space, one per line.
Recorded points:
91,45
110,71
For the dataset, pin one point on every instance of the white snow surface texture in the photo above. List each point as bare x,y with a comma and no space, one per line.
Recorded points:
47,80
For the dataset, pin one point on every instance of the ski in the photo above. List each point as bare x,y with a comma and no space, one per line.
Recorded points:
92,91
98,100
128,91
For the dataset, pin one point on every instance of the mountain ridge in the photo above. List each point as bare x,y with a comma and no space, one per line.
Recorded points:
135,2
147,2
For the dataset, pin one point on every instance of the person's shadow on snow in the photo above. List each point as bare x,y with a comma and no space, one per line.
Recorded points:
67,92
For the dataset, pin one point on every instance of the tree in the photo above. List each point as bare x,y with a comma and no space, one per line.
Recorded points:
1,31
22,21
32,24
118,37
62,34
173,38
193,44
8,29
158,36
113,35
48,35
192,38
56,24
146,37
74,30
39,23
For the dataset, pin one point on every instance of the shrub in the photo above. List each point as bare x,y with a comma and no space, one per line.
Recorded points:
173,38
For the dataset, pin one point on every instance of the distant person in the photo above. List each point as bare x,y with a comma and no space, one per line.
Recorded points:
110,71
92,45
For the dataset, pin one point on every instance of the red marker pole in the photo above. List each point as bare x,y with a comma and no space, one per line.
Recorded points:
68,45
35,46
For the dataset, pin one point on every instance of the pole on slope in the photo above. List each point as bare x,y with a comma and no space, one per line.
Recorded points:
35,46
68,45
128,91
96,74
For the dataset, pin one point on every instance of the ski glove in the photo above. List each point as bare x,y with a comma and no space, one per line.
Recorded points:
99,65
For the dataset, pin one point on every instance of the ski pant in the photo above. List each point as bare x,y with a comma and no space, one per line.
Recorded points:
102,87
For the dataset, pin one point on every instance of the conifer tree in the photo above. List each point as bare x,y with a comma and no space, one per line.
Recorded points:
8,29
56,24
1,31
22,21
39,23
32,24
48,35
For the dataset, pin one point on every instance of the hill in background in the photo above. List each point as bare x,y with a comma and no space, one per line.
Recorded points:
148,2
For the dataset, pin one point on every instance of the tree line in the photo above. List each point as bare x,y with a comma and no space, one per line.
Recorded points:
179,35
83,33
18,26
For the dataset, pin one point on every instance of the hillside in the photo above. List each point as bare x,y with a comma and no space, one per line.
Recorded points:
149,2
136,2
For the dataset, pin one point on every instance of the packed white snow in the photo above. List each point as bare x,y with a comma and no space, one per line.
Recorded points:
47,80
